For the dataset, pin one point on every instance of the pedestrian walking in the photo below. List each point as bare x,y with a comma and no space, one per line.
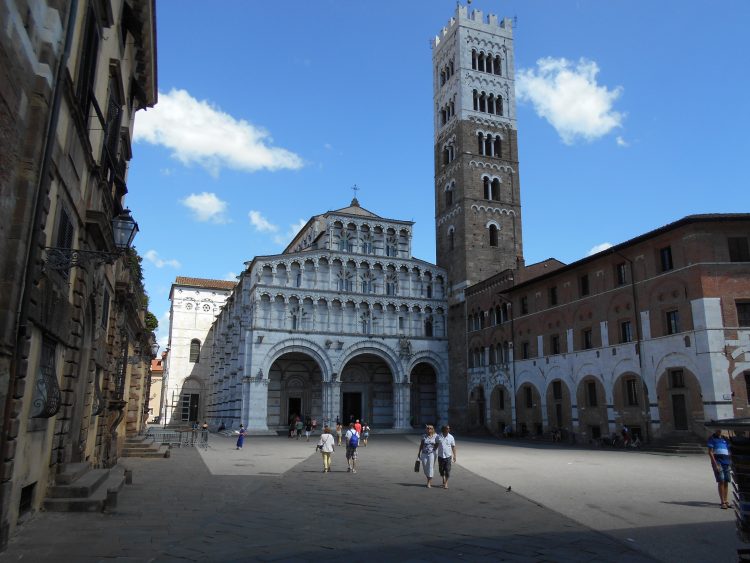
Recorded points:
241,437
308,430
298,426
358,427
446,453
325,445
365,433
426,453
718,451
339,432
352,443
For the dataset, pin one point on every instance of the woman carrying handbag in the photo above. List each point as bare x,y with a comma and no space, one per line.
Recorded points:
325,445
426,454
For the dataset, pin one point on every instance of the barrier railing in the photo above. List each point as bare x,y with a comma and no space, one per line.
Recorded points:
179,438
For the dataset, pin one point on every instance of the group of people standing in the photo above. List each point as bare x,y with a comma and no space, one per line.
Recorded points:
437,446
355,434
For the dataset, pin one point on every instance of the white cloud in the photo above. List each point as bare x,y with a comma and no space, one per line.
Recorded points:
261,223
153,257
621,142
289,235
599,248
567,95
206,207
231,276
198,132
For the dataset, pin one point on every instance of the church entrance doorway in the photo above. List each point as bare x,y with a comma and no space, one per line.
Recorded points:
423,395
351,407
294,407
370,378
295,389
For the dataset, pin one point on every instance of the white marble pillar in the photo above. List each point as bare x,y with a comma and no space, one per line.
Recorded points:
402,405
255,404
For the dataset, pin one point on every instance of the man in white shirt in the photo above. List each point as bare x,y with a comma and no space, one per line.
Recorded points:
446,453
352,442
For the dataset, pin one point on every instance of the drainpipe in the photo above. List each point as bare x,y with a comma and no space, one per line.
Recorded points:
639,349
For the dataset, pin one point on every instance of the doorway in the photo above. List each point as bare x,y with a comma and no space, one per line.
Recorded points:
679,411
294,407
351,406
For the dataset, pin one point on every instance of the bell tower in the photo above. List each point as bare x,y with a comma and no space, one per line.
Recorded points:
477,189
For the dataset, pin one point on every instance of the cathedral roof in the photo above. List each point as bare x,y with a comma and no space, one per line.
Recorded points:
355,209
203,282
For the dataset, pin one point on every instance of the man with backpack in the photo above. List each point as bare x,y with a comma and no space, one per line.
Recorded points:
352,443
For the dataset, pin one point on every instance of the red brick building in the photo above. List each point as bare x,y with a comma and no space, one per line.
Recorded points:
653,333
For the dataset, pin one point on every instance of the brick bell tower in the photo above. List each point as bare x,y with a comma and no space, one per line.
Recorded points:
477,189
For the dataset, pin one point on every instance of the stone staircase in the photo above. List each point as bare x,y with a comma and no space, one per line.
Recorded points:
678,444
143,447
79,488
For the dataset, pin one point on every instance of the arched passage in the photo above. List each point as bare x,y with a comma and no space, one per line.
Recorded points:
294,389
559,406
529,410
477,406
367,391
592,408
630,400
500,409
680,404
423,395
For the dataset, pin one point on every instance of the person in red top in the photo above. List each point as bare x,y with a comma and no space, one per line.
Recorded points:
358,427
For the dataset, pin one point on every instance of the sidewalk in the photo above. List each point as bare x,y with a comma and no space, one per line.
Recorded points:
271,502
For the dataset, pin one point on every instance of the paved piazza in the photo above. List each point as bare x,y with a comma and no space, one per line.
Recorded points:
271,502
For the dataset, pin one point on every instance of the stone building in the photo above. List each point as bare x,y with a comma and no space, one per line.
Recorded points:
74,346
195,303
653,333
344,323
477,189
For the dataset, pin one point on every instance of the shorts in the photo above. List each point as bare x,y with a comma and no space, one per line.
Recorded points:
444,466
723,474
351,453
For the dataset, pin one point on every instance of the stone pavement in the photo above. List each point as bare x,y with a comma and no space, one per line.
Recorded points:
271,502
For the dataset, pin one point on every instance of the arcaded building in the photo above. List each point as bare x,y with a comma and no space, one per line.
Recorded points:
653,333
344,323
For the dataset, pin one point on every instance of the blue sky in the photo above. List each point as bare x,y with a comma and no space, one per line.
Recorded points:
630,115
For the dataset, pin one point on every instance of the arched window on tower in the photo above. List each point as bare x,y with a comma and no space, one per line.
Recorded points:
481,62
488,62
483,102
488,145
428,326
474,59
480,139
486,185
498,146
491,104
499,106
498,65
476,100
493,235
195,351
495,191
451,238
449,195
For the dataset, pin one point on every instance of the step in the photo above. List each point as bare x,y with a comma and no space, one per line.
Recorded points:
139,446
97,502
81,487
72,472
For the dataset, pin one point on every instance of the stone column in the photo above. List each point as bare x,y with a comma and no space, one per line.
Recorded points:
443,401
255,404
401,406
335,398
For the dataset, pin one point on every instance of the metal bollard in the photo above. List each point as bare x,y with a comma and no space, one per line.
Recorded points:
128,476
111,502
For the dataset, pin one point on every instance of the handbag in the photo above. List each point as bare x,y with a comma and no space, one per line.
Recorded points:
416,466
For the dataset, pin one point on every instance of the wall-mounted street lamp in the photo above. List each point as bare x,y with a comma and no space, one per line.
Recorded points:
124,229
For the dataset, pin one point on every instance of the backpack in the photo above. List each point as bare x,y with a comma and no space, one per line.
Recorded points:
354,440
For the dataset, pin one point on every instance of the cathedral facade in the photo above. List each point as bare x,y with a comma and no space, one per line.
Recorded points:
344,323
